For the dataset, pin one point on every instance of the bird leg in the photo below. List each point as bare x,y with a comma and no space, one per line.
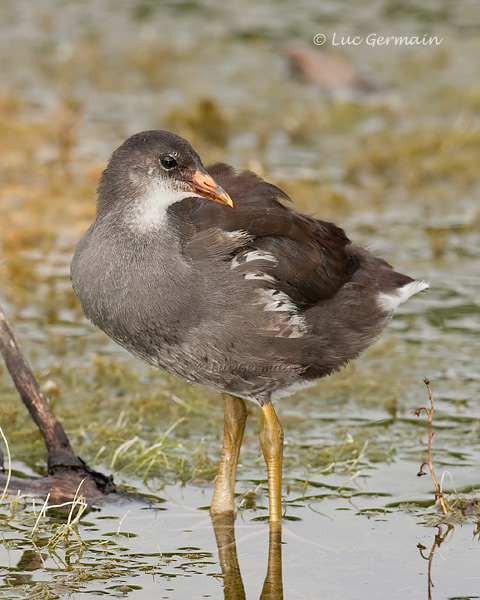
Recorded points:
235,416
271,441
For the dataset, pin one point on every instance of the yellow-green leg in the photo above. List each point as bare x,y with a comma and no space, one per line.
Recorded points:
271,441
235,416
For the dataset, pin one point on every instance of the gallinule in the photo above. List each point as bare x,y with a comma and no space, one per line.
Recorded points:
210,275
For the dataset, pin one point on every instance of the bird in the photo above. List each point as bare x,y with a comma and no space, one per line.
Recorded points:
212,275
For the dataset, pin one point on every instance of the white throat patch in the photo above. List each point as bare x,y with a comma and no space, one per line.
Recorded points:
148,212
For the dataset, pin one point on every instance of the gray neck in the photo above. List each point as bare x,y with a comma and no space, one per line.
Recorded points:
124,278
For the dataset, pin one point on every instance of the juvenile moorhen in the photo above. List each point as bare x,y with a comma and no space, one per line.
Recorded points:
243,294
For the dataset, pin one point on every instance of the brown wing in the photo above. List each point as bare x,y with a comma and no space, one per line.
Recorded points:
312,259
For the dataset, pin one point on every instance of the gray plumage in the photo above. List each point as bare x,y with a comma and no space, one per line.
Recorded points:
254,300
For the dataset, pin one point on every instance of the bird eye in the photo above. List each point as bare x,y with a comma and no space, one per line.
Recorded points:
168,162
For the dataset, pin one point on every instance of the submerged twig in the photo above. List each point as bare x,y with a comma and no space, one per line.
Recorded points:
429,412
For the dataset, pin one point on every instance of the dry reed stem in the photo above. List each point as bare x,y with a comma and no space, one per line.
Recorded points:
429,412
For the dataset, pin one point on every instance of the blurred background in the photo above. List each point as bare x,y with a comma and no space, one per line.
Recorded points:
382,139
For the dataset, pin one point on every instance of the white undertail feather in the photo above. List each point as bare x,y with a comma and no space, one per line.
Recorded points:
391,301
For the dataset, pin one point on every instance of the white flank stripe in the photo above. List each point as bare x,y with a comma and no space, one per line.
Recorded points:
252,255
259,255
259,275
278,301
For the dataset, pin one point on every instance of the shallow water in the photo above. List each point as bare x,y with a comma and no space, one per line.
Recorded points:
397,167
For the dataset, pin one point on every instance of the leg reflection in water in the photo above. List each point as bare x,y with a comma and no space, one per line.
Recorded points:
273,586
224,528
